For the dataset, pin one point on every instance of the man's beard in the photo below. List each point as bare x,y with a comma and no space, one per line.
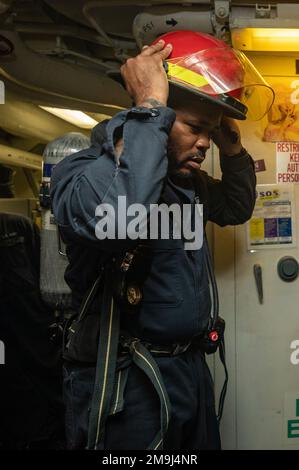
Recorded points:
175,167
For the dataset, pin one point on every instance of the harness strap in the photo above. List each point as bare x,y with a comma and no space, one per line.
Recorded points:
106,372
106,366
224,388
119,390
175,349
145,361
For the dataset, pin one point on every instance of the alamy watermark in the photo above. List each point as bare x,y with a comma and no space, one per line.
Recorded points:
294,358
156,221
2,353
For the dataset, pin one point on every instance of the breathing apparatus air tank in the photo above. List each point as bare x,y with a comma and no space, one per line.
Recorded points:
54,290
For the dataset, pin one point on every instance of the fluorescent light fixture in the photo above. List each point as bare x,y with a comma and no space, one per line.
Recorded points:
78,118
275,33
266,39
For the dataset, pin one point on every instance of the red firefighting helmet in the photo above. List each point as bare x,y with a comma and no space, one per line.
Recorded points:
208,67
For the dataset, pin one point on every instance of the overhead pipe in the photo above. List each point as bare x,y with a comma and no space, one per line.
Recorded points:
19,158
74,31
86,12
119,47
155,21
63,51
282,16
29,121
57,79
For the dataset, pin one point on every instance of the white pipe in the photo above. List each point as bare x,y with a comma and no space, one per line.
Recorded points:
155,21
29,121
20,158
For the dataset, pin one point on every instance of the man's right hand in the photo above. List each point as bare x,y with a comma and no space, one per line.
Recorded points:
145,77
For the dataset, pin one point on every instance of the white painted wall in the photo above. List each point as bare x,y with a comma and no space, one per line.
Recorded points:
264,384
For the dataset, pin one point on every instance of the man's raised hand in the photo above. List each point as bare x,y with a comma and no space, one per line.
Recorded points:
145,77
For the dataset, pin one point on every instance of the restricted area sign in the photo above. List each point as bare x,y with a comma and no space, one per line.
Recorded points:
287,162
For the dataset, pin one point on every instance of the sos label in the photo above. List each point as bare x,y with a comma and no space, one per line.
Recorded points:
269,194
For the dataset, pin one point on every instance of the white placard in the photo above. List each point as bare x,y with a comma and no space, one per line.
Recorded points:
273,223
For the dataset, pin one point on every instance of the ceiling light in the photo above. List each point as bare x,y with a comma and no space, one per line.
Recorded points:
78,118
266,39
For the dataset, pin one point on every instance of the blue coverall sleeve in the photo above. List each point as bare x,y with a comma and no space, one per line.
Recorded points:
232,199
84,180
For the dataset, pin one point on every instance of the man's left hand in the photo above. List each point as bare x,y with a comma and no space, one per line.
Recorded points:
227,137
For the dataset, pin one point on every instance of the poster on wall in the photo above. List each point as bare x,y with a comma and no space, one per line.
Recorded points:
287,162
273,221
281,124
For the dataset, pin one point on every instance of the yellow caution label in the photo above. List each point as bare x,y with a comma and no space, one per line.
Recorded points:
257,229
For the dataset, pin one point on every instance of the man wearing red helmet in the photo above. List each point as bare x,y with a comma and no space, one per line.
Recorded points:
135,373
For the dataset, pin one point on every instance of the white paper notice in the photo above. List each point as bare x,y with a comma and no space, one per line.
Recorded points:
273,221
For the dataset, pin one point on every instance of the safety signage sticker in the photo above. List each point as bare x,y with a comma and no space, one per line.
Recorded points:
291,418
273,220
287,162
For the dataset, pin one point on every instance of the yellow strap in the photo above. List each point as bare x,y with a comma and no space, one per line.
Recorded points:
188,76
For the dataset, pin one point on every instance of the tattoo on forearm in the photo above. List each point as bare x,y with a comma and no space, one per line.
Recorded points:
153,102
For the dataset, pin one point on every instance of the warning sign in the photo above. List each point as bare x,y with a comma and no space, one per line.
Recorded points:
287,162
273,219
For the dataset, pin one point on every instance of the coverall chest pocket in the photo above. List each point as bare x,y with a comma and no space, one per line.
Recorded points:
162,285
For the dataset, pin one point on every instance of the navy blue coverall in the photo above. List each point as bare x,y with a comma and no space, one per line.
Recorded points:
176,299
